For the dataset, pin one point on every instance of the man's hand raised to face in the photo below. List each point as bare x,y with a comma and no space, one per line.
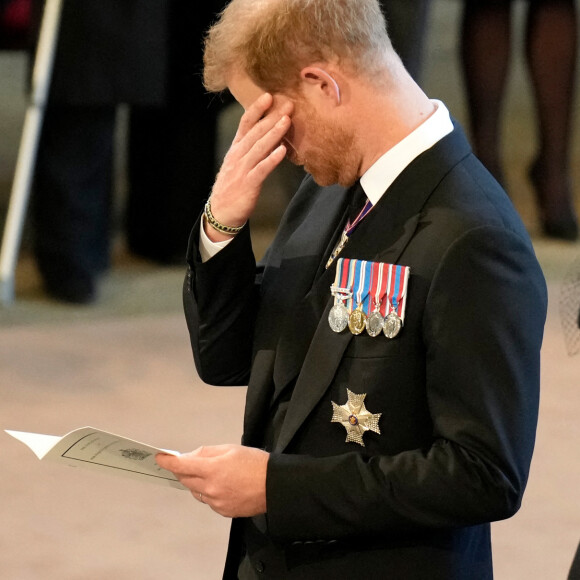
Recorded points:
255,152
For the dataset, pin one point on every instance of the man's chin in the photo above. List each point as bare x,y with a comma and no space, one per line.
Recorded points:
326,182
293,158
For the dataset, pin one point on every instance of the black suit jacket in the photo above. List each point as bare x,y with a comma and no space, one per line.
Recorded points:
457,389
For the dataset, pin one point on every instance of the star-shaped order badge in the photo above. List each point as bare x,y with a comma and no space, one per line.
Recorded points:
355,418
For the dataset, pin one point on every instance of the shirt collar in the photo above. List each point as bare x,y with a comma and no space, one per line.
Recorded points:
379,177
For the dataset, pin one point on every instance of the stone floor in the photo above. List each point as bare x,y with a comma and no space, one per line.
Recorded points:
124,365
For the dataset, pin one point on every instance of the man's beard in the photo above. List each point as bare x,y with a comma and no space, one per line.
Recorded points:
330,157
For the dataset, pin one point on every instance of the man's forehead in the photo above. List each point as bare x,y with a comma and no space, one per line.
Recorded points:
243,88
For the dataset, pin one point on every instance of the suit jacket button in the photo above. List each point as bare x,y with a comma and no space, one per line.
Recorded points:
259,566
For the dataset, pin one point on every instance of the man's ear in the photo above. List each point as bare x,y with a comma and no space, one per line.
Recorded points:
317,78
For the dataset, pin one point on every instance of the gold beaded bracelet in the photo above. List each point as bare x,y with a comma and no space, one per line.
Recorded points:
229,230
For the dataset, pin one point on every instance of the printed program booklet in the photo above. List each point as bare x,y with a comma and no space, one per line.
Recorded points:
102,451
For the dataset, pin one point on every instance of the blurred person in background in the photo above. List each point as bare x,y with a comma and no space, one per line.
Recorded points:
407,26
148,55
551,46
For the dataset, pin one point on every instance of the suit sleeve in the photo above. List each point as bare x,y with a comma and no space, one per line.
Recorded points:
482,330
220,300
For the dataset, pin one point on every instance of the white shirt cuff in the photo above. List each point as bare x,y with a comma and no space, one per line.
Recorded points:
207,248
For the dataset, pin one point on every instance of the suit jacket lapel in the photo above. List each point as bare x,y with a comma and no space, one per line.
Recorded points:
381,236
298,276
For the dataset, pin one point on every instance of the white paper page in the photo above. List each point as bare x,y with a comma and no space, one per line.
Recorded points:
40,444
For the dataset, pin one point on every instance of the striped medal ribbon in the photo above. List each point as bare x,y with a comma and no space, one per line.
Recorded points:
398,279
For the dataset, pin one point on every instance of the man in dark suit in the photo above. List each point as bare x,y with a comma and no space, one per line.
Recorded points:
378,449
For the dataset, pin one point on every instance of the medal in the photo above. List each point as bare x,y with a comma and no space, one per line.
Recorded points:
355,418
396,298
392,325
338,315
374,323
357,318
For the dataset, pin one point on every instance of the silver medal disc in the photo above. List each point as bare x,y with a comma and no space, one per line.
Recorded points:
338,317
374,324
393,324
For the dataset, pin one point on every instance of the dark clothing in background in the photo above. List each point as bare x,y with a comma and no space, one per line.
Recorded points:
172,159
148,55
407,27
110,52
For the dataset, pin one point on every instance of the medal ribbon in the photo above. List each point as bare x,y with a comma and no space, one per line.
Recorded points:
377,286
397,293
402,298
386,304
350,284
362,292
340,290
344,269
